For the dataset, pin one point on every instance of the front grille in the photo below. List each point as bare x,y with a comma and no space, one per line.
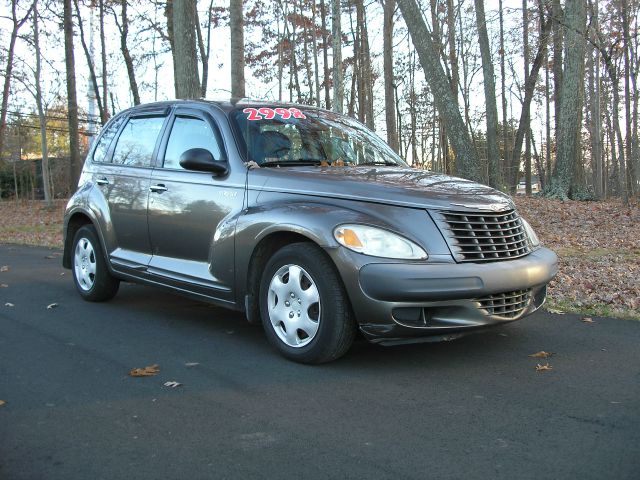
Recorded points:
484,236
507,304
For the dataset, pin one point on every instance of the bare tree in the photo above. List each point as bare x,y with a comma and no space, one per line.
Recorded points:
72,101
46,181
123,28
186,78
17,24
389,90
493,153
89,57
466,157
336,32
571,101
237,49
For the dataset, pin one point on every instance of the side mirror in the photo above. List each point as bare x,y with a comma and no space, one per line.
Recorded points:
201,160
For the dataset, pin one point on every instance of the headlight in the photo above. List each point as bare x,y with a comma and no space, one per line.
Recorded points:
534,241
377,242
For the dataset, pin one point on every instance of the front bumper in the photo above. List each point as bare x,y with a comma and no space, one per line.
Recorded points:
405,302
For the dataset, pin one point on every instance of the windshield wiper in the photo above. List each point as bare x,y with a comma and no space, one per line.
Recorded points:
384,163
291,163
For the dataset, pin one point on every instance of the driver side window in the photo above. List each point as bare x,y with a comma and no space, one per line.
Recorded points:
187,133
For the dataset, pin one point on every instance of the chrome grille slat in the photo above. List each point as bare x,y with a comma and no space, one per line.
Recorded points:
484,237
507,304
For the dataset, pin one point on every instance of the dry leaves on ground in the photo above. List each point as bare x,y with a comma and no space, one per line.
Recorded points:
543,368
598,245
4,268
30,222
541,354
2,403
149,371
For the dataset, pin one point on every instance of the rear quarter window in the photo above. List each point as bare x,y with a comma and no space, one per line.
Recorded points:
105,139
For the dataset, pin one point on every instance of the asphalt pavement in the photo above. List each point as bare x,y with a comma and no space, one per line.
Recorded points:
474,408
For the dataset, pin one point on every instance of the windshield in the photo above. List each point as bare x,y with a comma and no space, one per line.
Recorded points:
283,136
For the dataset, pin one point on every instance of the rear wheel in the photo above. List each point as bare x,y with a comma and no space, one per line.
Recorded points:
90,272
304,308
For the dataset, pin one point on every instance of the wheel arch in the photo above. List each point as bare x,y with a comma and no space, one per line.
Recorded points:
267,245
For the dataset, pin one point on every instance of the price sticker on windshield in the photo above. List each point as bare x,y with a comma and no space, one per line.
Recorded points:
255,114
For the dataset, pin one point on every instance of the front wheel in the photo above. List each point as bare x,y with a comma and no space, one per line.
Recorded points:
304,308
90,272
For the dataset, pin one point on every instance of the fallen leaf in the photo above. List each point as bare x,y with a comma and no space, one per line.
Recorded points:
541,354
4,285
9,304
191,364
52,306
542,368
4,268
555,311
172,384
2,403
149,371
52,256
587,320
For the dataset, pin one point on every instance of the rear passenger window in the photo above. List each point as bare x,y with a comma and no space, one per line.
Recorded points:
102,147
137,142
187,133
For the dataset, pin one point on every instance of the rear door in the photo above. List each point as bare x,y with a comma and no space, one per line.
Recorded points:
123,176
192,214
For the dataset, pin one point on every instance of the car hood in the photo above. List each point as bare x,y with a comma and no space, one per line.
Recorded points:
388,185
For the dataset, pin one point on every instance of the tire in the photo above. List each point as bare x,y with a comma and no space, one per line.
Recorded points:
309,320
91,274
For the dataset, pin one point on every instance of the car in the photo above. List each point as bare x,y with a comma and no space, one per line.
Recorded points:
304,220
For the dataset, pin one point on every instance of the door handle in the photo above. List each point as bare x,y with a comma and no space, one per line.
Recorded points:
102,181
159,188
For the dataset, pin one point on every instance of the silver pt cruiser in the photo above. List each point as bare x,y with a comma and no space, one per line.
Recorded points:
304,220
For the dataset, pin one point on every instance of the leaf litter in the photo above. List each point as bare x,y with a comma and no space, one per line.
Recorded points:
598,247
149,371
542,354
543,368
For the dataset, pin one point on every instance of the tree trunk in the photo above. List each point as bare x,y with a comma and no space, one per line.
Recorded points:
453,59
325,54
466,157
72,101
46,181
558,33
389,103
631,171
237,49
9,68
314,49
90,64
571,101
186,77
525,48
493,152
503,93
594,108
124,47
336,29
204,55
103,59
529,90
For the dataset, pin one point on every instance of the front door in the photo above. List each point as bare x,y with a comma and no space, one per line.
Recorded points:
192,214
